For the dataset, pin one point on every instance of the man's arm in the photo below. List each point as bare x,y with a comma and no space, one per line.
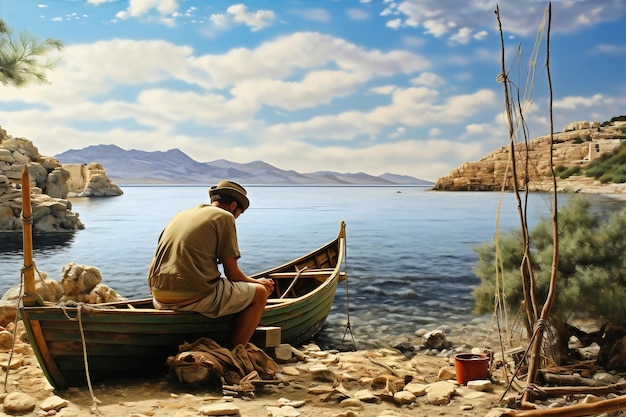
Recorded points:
233,273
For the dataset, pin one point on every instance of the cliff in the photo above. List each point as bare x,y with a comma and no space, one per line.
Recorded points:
51,184
579,144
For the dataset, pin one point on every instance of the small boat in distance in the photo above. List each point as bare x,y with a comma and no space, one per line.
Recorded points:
130,339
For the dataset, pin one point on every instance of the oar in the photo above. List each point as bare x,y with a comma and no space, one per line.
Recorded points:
27,237
298,273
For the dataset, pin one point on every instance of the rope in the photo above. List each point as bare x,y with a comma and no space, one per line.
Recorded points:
79,317
20,293
348,326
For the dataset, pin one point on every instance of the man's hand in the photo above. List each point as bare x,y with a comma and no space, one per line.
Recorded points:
268,284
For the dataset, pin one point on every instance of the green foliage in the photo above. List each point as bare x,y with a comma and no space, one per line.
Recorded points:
609,167
563,172
24,59
591,267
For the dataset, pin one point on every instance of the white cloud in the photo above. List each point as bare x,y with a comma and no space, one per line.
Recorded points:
256,20
357,14
140,8
428,79
313,14
440,19
571,103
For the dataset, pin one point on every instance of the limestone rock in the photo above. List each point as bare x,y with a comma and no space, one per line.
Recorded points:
79,279
579,144
50,184
439,393
98,183
18,402
54,403
220,409
434,339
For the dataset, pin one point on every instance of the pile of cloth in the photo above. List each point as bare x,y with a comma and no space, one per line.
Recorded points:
205,361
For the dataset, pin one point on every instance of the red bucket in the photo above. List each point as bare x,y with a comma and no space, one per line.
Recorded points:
470,367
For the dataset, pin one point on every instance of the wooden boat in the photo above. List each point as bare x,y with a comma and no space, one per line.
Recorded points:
81,343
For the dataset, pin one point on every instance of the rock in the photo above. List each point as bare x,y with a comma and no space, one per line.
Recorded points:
48,289
445,374
480,385
416,388
6,339
79,279
285,411
404,397
366,396
351,403
322,373
50,184
439,393
290,370
18,402
99,185
577,145
219,409
282,353
54,403
434,339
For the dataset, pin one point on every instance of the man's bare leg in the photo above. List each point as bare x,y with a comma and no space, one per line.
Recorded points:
248,319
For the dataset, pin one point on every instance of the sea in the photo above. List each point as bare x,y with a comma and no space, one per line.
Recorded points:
410,250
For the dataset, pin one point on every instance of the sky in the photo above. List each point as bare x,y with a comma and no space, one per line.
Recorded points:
406,87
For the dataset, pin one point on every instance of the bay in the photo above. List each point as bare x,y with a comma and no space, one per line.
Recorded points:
410,251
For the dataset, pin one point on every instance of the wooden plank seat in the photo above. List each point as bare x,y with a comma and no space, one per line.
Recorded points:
307,273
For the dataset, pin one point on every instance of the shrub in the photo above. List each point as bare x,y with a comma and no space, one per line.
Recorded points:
591,268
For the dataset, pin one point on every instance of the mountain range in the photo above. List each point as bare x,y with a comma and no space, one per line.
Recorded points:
175,167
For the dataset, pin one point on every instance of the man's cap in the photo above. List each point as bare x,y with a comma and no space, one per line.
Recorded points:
231,189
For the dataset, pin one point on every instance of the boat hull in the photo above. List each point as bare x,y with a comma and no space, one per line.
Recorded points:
132,339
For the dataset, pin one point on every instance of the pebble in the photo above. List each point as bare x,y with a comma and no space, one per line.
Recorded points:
220,409
404,397
54,403
18,402
480,385
351,403
284,411
290,370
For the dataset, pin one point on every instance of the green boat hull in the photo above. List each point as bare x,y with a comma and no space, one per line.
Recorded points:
131,339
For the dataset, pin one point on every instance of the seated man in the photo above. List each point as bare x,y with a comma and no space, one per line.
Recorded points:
184,273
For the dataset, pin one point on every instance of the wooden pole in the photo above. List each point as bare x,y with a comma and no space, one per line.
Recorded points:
27,239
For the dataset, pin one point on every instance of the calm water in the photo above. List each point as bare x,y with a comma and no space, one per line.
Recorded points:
410,255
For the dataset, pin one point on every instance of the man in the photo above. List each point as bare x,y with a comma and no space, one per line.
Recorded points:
184,273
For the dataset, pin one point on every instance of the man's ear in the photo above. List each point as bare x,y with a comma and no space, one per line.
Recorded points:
233,206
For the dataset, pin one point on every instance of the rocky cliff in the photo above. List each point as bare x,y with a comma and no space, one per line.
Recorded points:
579,144
50,186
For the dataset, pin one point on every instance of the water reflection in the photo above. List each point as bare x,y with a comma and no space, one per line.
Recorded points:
12,242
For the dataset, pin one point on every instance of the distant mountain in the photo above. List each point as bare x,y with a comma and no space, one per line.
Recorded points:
176,167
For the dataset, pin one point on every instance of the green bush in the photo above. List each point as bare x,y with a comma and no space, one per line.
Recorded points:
591,268
573,170
608,167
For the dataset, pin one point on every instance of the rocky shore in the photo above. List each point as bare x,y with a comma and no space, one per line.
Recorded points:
578,145
51,184
311,382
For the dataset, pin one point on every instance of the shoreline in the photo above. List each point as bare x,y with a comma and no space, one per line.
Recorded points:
315,383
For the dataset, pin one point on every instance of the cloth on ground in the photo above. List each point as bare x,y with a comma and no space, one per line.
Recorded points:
206,361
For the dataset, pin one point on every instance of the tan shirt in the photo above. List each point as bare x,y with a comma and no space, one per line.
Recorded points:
188,252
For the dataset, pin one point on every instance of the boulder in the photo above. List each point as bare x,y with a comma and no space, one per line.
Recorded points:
49,187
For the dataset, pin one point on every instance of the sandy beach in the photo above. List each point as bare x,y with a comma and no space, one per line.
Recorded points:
315,383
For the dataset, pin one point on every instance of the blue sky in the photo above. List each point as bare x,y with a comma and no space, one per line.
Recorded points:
374,86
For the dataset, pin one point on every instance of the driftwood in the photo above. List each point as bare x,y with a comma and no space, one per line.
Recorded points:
597,390
556,379
578,410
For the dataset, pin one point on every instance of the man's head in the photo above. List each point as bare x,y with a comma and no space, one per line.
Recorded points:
227,192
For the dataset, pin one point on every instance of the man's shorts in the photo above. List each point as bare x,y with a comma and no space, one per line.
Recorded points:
230,297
